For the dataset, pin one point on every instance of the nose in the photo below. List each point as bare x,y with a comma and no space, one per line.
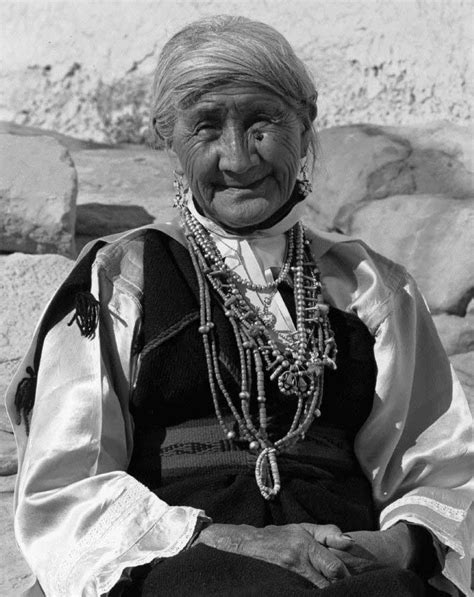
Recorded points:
237,151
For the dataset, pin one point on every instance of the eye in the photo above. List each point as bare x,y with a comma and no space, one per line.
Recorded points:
263,122
202,126
206,128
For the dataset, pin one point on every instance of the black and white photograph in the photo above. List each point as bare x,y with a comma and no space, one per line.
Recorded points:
237,298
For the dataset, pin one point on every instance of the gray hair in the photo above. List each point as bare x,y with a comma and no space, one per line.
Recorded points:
228,49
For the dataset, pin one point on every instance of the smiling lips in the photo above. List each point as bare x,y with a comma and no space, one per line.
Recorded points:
243,187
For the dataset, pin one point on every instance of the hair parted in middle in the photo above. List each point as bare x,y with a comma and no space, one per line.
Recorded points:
223,50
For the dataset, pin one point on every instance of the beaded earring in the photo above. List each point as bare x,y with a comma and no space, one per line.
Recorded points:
180,188
303,182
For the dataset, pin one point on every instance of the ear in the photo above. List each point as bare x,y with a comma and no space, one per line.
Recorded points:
305,138
174,161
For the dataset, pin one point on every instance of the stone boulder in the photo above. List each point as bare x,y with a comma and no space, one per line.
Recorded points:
365,162
126,175
430,235
38,188
356,163
70,143
16,576
95,219
456,333
462,364
8,459
442,158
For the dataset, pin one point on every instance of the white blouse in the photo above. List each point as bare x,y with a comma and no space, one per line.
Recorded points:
81,521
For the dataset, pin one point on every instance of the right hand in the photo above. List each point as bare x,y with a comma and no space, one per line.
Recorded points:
301,548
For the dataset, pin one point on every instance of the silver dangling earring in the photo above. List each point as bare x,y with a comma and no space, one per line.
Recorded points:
303,183
180,190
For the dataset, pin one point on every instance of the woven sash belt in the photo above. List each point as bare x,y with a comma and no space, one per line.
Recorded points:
198,446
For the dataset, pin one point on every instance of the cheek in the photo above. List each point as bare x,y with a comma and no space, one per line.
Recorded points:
196,163
283,150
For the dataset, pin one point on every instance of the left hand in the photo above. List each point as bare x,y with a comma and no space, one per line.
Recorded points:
401,546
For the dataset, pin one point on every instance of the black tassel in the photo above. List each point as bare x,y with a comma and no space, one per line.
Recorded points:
25,398
87,314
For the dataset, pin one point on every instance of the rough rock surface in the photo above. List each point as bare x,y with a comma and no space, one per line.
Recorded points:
357,163
129,175
464,366
7,483
431,236
88,72
7,369
38,188
8,462
95,220
70,143
365,162
133,186
441,158
456,333
15,576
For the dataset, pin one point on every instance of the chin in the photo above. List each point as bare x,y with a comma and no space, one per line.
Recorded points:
243,212
242,220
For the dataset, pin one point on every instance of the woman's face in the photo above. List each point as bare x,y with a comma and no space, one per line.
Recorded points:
240,150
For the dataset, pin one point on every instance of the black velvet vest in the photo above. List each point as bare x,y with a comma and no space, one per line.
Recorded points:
173,386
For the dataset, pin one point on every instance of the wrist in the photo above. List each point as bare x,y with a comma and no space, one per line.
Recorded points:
202,522
416,545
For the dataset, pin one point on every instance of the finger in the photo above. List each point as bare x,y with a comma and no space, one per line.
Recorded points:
320,581
339,541
355,564
330,535
315,577
327,563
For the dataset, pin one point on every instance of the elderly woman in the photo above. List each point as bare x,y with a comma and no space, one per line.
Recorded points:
175,435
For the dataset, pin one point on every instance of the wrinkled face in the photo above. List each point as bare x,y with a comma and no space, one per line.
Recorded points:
240,151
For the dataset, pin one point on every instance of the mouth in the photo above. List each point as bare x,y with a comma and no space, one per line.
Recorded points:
247,186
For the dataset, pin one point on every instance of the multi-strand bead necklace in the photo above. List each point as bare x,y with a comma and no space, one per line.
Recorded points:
295,361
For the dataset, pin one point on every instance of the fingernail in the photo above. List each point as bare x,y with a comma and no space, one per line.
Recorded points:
348,537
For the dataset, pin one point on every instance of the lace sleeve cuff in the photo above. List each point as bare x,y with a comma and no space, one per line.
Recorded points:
447,520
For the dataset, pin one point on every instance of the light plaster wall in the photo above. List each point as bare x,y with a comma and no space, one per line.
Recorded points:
84,68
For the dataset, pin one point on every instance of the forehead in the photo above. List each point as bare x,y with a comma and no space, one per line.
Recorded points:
236,98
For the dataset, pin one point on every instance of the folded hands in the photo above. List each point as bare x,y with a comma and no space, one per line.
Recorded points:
322,553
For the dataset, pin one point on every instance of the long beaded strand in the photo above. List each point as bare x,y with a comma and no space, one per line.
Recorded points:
297,363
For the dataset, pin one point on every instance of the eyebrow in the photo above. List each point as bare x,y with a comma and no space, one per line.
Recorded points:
203,111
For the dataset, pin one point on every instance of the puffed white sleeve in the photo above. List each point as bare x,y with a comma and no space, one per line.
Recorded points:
80,519
416,447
